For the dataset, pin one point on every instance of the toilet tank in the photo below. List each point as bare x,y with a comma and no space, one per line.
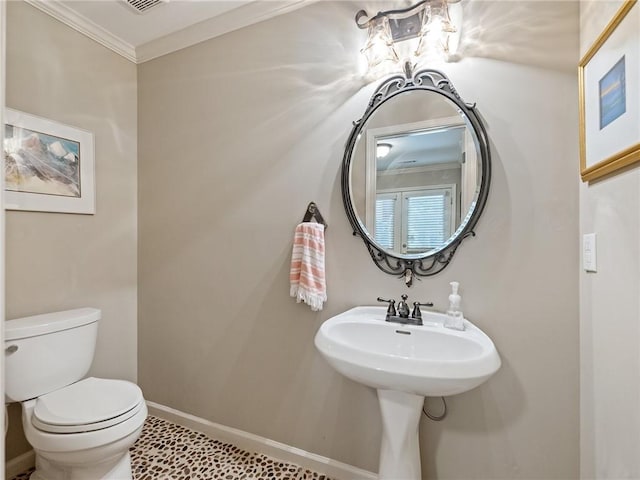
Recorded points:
46,352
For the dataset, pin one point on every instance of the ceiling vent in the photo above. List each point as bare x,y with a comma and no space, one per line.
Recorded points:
143,6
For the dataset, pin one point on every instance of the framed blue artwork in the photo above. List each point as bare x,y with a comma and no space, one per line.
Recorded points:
609,88
613,95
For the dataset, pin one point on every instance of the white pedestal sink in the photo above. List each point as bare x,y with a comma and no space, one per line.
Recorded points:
405,363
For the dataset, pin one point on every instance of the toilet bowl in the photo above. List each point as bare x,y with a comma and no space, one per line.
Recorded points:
79,429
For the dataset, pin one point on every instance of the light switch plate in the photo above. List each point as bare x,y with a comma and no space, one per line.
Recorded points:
589,263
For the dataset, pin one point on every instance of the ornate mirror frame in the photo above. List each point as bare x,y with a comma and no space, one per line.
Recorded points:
434,261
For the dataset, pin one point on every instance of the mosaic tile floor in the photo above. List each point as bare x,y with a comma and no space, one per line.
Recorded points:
168,451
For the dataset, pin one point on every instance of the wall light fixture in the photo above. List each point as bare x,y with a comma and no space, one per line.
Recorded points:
405,36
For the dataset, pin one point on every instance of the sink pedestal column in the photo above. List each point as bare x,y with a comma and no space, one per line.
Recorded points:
399,452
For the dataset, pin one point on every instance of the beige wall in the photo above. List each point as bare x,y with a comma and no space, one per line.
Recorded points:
59,261
610,308
238,134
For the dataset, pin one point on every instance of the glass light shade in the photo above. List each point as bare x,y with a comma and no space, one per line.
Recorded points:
436,17
436,29
433,43
379,46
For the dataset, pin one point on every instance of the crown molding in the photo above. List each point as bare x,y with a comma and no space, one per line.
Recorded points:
235,19
254,12
61,12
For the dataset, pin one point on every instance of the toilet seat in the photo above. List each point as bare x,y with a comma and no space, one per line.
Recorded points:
45,443
86,406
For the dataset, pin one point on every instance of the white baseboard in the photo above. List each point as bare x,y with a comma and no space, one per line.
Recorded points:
20,464
255,443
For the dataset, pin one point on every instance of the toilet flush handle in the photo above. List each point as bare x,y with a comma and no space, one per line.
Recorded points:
11,349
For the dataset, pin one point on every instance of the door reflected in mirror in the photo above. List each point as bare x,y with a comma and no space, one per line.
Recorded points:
415,182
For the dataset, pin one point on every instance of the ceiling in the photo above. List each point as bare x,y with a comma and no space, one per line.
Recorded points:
419,149
518,33
165,28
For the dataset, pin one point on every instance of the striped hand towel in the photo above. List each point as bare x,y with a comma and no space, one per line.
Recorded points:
307,266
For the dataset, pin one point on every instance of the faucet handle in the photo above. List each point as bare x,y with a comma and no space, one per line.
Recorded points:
416,309
391,311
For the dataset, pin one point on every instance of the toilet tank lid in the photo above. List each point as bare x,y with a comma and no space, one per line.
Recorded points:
49,322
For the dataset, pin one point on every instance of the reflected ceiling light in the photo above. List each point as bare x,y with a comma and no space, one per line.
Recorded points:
403,36
383,149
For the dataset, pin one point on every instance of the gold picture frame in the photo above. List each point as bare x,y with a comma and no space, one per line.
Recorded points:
609,97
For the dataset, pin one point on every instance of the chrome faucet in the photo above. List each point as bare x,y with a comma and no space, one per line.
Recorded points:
403,308
402,314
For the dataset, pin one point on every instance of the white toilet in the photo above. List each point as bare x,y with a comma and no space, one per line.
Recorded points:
79,429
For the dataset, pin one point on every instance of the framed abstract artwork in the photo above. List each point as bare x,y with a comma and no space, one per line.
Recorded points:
49,167
609,88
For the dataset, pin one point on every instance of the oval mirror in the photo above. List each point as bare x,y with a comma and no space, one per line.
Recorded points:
415,174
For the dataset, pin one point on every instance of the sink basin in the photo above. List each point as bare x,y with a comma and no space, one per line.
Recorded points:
428,360
405,363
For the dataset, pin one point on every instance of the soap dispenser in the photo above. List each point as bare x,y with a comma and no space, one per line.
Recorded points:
454,318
